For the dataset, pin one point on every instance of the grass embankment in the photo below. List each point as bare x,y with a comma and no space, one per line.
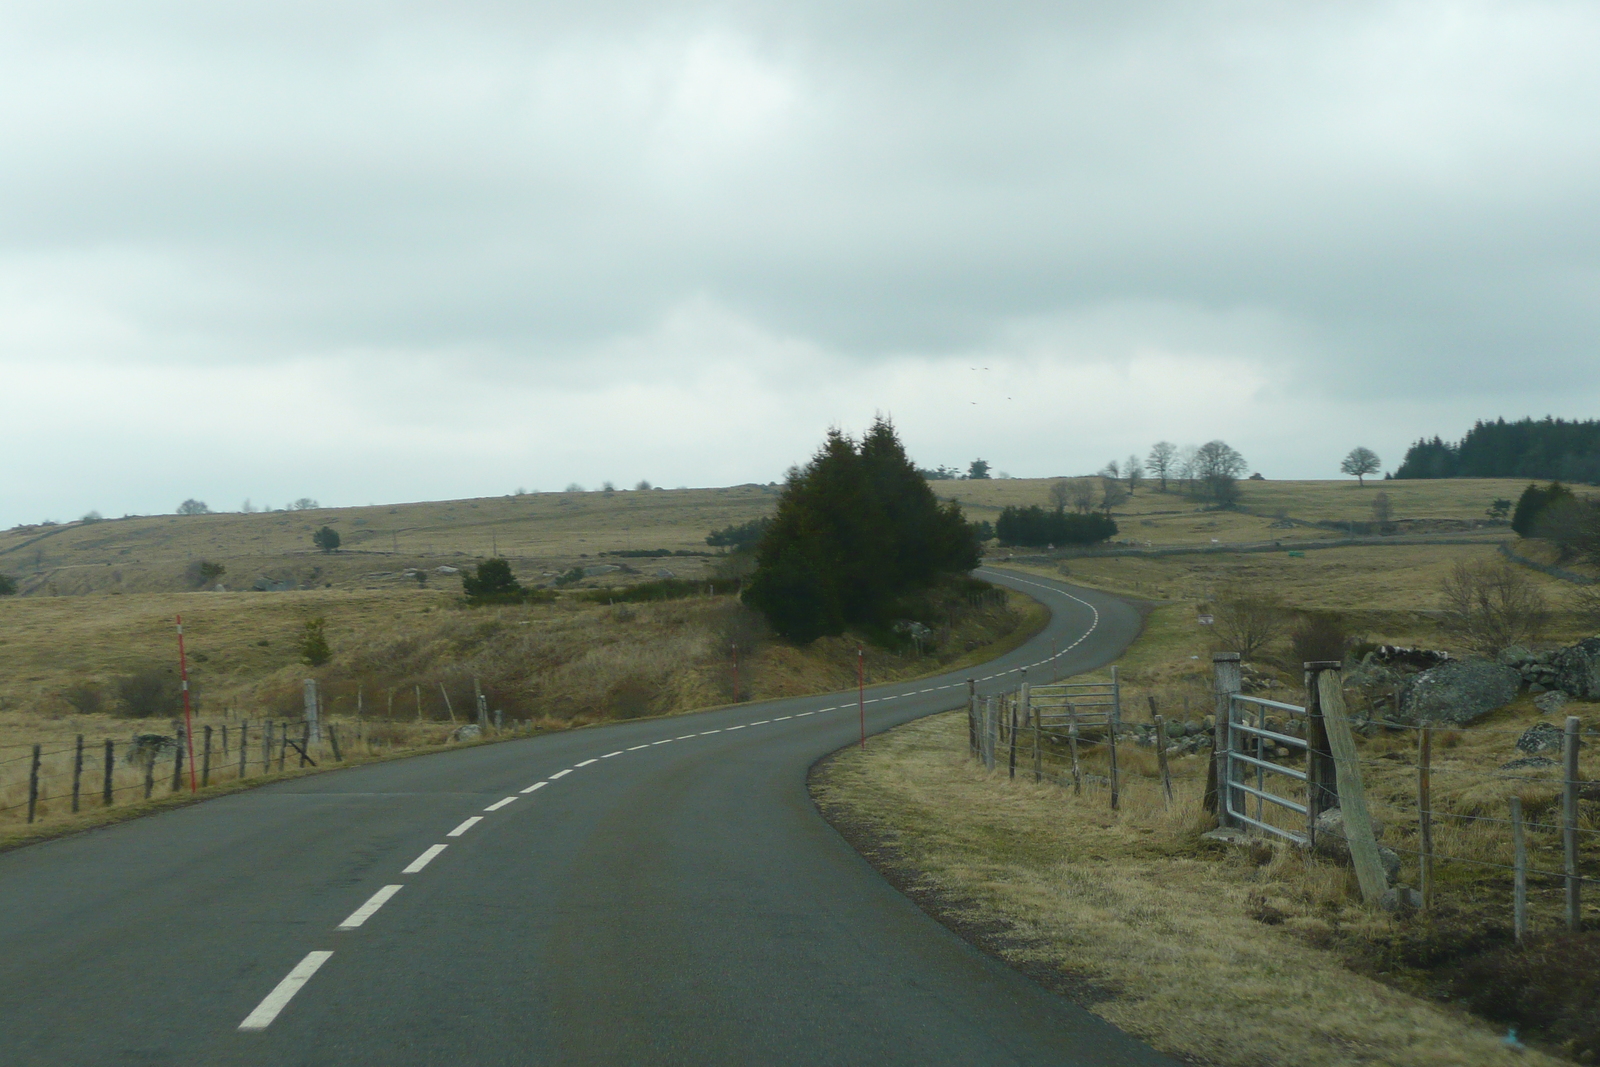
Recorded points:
1221,955
545,666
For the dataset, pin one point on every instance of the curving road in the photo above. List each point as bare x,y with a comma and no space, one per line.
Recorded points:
659,892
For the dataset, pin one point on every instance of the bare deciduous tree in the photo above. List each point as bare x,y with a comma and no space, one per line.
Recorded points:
1060,494
1248,619
1162,461
1112,493
1491,605
1133,473
1082,495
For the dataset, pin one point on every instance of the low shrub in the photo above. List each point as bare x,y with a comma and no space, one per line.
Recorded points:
1549,988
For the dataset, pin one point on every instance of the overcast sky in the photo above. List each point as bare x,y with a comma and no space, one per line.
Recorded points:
371,252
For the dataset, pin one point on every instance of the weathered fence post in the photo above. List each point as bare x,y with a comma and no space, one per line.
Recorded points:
1116,697
1038,735
1012,760
1116,785
177,762
33,783
283,744
1569,825
1161,753
77,772
105,788
1425,812
972,718
1519,875
1322,776
1072,746
149,774
266,746
205,759
1352,793
1225,683
244,745
224,740
313,723
333,738
991,732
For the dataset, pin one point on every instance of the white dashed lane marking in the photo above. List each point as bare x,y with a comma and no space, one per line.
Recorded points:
284,991
465,826
424,859
635,748
586,763
497,805
370,908
535,786
608,755
561,774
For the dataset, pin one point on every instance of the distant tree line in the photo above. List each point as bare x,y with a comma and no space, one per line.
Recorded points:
1545,448
1036,527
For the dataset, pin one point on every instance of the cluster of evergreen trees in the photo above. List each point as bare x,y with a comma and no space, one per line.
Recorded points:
1036,527
857,532
1545,448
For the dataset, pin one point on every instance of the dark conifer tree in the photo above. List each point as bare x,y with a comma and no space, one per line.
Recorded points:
856,529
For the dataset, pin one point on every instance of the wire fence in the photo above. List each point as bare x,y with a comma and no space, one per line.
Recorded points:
58,782
1445,804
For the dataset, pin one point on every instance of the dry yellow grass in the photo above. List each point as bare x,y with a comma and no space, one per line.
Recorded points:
538,532
1138,904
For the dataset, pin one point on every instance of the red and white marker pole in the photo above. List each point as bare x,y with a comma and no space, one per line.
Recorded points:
861,692
188,718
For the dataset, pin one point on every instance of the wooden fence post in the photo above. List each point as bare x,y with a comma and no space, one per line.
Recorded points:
224,740
244,746
1161,754
205,759
1225,683
972,717
149,774
266,746
177,763
1038,736
77,772
1569,825
991,731
33,783
1352,793
1322,775
1012,759
333,739
106,791
1425,811
283,744
305,743
1116,790
1519,875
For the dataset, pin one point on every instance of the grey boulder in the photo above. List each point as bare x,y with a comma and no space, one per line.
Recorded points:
1577,669
1458,692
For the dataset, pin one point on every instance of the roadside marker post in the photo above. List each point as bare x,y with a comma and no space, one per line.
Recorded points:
188,719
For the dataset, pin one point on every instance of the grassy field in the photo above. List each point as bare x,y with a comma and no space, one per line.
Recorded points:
1170,518
541,533
1221,955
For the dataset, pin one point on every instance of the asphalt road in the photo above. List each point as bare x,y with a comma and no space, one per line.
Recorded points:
668,895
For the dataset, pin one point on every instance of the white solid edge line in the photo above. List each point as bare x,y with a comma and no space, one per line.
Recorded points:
497,805
535,786
561,774
608,755
586,763
284,992
424,859
465,826
370,908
